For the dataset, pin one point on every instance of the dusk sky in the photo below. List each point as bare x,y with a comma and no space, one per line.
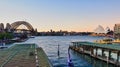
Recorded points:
70,15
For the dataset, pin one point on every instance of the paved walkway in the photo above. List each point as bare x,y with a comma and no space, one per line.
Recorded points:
23,55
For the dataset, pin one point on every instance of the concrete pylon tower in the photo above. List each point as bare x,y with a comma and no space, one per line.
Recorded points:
8,27
1,27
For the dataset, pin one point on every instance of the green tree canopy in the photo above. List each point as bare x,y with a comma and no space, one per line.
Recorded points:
5,36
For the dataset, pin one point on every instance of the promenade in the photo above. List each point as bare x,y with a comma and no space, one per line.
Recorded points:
24,55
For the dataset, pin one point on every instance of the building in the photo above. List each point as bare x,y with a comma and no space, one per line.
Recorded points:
99,30
117,31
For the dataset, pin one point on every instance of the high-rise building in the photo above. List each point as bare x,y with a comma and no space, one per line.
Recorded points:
117,31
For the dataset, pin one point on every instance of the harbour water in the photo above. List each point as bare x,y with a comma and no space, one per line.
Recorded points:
50,46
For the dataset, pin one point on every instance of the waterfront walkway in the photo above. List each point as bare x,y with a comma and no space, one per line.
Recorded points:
24,55
103,52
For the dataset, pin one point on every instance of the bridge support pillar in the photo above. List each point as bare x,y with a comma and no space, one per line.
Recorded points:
103,52
109,56
118,54
96,52
92,50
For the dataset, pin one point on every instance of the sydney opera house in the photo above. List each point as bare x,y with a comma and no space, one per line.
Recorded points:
100,29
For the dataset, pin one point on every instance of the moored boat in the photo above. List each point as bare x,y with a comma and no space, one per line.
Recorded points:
116,41
105,41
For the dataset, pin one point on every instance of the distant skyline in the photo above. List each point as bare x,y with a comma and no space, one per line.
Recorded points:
69,15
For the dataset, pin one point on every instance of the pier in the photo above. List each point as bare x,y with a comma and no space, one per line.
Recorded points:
24,55
102,52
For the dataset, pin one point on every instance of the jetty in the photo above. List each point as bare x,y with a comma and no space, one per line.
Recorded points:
102,52
24,55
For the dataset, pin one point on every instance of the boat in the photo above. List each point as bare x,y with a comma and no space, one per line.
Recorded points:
104,41
2,47
116,41
31,37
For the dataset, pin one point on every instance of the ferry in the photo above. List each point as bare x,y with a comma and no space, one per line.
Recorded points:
116,41
104,41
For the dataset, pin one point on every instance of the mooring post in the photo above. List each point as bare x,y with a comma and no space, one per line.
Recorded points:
58,51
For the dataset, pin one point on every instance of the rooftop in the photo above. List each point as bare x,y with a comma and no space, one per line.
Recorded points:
106,46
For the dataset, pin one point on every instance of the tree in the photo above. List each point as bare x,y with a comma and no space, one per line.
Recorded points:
4,36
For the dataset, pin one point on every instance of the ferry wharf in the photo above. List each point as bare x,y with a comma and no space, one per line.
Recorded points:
109,53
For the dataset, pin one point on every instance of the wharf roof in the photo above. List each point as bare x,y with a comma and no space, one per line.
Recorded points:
105,46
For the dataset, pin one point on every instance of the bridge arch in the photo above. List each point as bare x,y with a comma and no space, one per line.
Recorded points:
16,24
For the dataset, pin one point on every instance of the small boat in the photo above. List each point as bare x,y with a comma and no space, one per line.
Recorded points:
31,36
2,47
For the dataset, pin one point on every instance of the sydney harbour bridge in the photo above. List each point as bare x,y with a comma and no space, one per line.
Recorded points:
14,27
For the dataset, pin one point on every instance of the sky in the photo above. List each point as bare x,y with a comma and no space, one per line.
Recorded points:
69,15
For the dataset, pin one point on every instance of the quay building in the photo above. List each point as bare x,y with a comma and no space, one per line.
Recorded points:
117,31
